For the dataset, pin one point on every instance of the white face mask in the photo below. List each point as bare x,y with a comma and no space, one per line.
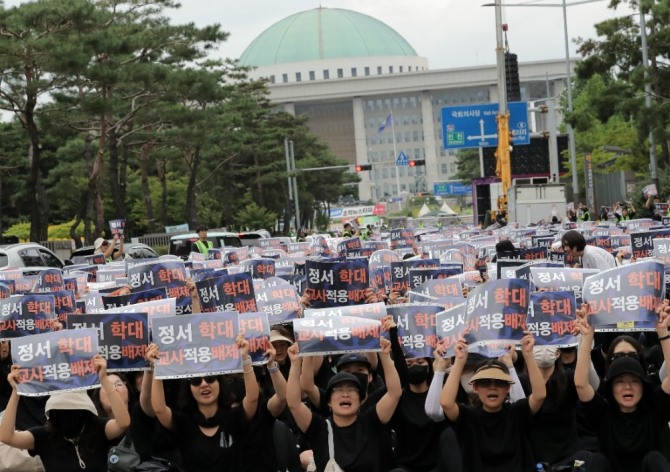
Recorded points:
545,356
465,382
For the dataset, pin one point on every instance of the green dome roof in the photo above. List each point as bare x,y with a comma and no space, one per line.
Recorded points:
324,33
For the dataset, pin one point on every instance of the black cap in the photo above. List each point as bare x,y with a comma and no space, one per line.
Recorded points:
626,365
354,357
344,377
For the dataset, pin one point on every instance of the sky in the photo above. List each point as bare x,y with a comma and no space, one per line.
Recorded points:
450,33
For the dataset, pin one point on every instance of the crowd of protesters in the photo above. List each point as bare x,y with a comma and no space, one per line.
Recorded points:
601,406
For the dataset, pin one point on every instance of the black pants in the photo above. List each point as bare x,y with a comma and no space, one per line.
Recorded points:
654,461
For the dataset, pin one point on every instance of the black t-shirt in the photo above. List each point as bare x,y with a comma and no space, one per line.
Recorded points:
66,460
625,438
417,435
360,447
259,438
217,453
495,442
150,438
554,435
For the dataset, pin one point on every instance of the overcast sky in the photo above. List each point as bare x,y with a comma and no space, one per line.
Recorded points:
450,33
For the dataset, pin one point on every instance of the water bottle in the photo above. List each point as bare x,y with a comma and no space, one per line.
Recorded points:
540,467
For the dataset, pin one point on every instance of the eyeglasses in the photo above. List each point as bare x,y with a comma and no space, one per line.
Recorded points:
619,355
196,381
488,383
345,389
621,383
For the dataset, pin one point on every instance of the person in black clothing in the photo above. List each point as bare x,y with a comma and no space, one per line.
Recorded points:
493,435
632,417
74,437
358,436
206,426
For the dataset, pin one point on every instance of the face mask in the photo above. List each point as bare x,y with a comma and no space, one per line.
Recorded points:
417,374
465,382
69,422
545,356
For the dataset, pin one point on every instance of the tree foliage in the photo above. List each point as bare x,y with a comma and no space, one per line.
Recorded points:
119,113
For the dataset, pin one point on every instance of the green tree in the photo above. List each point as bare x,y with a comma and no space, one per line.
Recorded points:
467,161
253,216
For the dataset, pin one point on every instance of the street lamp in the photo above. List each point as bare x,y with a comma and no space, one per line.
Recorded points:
571,134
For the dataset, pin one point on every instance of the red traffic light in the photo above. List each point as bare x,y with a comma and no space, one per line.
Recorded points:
362,167
415,163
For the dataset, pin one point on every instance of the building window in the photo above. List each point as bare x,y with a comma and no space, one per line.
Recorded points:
407,136
326,74
366,71
409,68
284,78
272,79
379,70
400,69
453,167
312,75
390,69
354,72
340,73
298,77
443,168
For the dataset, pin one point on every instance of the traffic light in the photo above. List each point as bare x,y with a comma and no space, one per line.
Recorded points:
513,84
362,167
416,163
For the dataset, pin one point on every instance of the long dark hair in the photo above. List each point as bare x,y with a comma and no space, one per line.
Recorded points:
188,404
639,348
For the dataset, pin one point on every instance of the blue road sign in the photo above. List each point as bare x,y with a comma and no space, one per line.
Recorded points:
475,125
402,159
451,188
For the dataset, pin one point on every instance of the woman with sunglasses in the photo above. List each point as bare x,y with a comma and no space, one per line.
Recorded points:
493,435
206,427
631,418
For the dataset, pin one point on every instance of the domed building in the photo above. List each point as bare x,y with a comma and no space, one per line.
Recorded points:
349,72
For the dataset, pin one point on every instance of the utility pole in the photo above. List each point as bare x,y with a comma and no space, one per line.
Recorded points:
503,166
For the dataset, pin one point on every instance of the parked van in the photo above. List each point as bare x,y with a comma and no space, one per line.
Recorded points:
182,244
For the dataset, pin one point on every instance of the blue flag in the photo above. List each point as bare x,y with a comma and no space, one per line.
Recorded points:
385,125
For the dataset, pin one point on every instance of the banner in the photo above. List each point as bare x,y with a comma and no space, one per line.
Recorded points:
337,283
116,301
400,272
192,346
168,274
65,303
419,276
523,272
449,326
256,330
49,280
629,293
383,258
232,292
440,288
552,279
402,238
336,335
117,227
496,312
662,249
259,268
649,191
319,247
110,275
56,361
349,246
642,244
152,309
6,289
279,303
24,315
416,327
551,318
25,284
123,338
370,311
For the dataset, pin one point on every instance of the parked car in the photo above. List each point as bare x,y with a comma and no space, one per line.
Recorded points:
131,251
182,244
250,238
31,257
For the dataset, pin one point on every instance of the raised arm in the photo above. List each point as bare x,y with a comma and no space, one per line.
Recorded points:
664,339
195,297
387,404
251,392
585,391
18,439
538,387
161,410
145,393
432,405
117,425
307,381
516,390
450,389
301,414
277,402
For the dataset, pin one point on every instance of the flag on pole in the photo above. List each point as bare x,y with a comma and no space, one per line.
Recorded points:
384,125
